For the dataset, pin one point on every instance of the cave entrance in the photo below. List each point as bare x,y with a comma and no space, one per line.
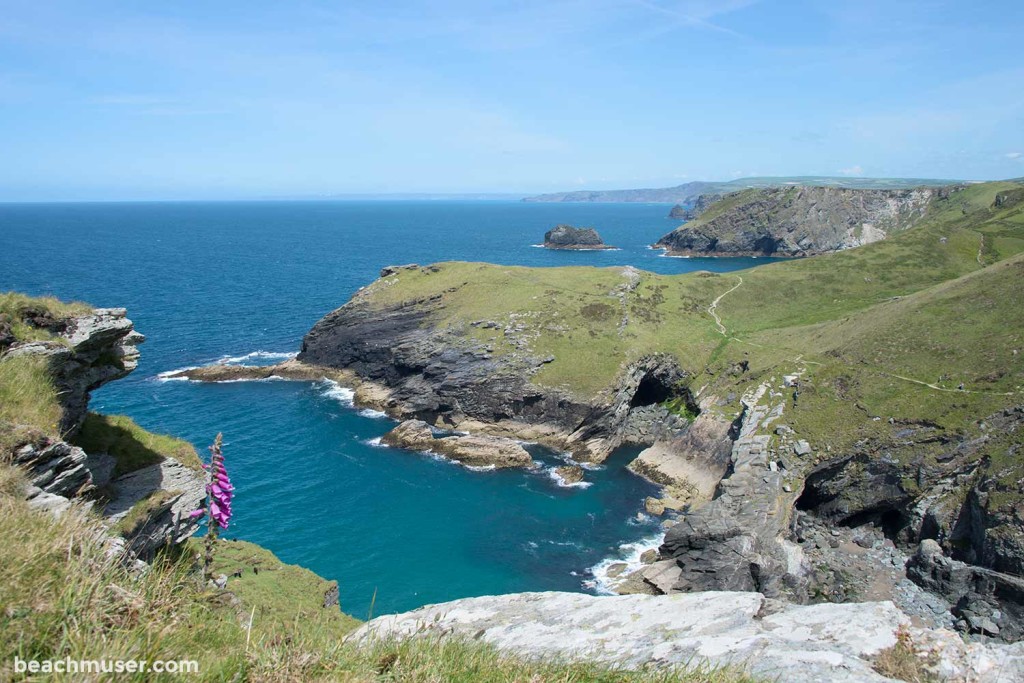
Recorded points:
651,390
662,387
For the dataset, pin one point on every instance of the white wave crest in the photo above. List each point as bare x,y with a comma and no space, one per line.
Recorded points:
629,554
331,389
257,355
165,376
373,414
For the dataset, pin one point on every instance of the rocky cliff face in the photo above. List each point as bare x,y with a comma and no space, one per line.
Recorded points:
693,211
796,221
88,352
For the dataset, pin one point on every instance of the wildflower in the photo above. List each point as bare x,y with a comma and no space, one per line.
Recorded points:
217,505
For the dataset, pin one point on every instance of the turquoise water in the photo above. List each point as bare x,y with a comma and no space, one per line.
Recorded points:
206,281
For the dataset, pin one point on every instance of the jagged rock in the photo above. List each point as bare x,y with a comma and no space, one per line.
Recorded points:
649,556
570,474
55,467
694,460
168,522
801,447
616,569
331,596
289,369
438,374
663,575
476,451
654,506
568,237
734,541
799,221
825,643
973,590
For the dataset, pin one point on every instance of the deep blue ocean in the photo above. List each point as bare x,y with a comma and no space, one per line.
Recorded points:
210,281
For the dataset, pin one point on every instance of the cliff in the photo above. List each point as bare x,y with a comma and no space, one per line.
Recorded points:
797,221
880,402
693,210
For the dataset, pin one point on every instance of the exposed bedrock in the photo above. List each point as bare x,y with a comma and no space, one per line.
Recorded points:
772,640
797,221
413,370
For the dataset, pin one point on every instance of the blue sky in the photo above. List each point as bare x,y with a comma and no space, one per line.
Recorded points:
226,99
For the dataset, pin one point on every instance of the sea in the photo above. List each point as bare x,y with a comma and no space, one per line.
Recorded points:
242,282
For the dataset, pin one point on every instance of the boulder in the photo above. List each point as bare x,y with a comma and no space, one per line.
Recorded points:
570,474
654,506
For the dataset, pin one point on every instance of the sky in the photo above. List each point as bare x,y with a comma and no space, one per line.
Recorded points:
235,100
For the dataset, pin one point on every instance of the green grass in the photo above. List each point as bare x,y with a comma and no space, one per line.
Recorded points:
132,446
15,306
61,596
27,398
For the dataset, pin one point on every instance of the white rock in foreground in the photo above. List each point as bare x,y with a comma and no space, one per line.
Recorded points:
827,642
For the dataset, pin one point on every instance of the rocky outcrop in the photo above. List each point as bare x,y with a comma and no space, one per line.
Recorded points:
568,237
985,601
737,540
92,350
86,353
798,221
473,451
814,643
689,463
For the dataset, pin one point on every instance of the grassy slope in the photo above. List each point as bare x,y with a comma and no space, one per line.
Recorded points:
928,305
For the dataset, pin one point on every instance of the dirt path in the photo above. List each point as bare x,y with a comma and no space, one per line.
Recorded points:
713,308
981,248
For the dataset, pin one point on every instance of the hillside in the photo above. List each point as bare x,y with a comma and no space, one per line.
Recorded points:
909,353
686,193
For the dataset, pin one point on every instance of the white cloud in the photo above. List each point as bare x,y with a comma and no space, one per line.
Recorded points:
853,170
1014,155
